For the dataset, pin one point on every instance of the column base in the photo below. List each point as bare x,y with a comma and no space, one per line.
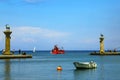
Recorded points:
7,53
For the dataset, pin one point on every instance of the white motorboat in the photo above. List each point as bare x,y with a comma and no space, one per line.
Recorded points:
85,65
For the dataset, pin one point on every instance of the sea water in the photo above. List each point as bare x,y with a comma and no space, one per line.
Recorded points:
43,67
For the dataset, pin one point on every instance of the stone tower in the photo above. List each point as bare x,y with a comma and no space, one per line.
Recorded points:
101,44
7,33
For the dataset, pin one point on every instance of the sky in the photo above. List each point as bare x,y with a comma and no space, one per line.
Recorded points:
71,24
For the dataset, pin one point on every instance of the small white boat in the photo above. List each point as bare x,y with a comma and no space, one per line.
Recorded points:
34,49
85,65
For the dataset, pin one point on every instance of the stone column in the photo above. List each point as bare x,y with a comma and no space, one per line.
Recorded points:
7,33
101,44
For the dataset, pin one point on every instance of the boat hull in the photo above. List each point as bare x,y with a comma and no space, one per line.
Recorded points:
58,52
85,65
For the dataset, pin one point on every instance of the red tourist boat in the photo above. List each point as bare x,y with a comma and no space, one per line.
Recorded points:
56,50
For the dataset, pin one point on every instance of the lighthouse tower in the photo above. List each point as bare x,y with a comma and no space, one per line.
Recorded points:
7,33
101,44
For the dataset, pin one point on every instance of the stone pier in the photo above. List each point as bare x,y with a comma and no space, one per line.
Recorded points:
102,51
6,54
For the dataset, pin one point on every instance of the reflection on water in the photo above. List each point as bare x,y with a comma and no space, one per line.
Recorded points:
102,67
7,70
59,75
84,74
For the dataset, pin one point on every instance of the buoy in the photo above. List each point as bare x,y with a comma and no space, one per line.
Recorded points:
59,68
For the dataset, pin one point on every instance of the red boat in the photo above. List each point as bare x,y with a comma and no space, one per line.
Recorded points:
56,50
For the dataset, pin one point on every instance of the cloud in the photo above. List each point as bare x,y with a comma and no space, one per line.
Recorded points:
33,1
35,31
1,33
27,34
